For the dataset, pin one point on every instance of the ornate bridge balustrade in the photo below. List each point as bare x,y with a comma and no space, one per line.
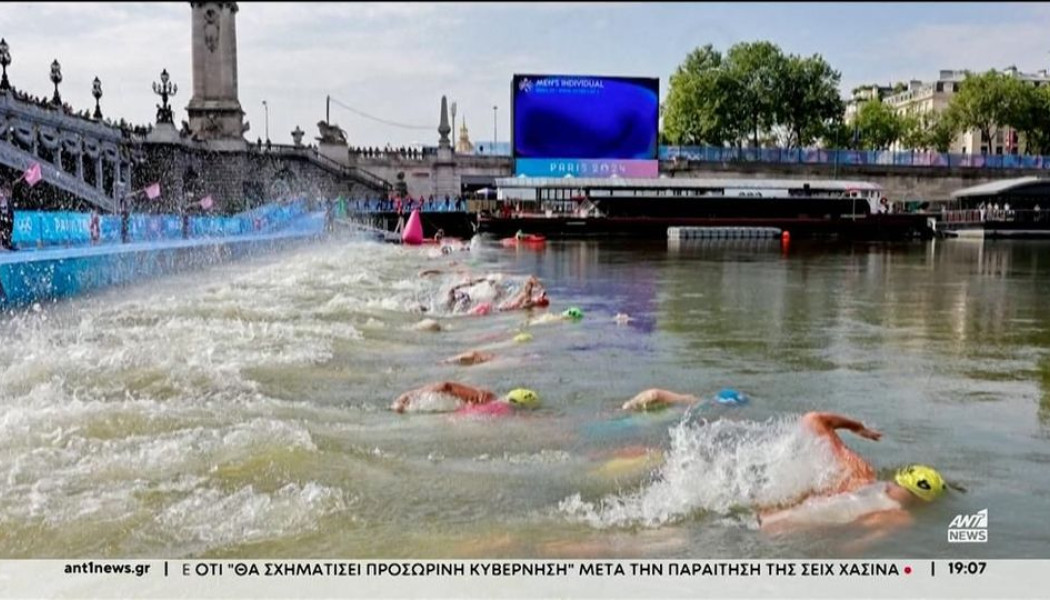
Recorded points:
88,159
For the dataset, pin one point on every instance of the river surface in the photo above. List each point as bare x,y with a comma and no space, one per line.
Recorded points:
242,411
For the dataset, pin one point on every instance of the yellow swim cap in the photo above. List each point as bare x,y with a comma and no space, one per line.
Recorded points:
523,397
923,481
523,337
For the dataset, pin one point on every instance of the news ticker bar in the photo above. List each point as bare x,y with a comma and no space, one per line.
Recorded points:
235,578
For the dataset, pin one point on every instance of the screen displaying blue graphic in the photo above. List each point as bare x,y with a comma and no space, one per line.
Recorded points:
569,116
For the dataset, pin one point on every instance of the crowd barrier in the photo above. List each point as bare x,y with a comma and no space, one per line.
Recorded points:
41,229
48,274
853,157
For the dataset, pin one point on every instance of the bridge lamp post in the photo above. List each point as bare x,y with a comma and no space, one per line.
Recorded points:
267,107
494,109
56,78
165,89
5,60
96,91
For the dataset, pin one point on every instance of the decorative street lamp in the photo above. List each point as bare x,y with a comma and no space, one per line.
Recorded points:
267,107
494,108
56,78
96,91
5,60
165,89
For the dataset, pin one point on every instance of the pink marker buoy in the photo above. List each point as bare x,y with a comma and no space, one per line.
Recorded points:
413,233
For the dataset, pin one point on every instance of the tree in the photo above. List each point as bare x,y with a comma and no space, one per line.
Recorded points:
1032,117
759,69
808,98
878,124
983,102
928,131
689,113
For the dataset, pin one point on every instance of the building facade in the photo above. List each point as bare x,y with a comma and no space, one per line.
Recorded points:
934,96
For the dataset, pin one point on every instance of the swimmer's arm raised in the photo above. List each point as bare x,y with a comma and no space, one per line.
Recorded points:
827,423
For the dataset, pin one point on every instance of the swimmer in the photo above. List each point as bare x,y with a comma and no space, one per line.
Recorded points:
622,318
471,357
427,325
572,314
469,397
527,297
656,398
857,496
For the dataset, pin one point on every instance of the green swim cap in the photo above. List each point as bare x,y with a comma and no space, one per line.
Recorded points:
523,337
523,397
573,313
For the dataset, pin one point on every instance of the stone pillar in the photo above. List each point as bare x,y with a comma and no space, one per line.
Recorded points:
116,178
214,110
445,180
98,172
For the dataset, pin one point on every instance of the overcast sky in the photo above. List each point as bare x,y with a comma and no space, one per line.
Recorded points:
394,61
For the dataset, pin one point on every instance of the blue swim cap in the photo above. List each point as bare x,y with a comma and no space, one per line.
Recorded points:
731,396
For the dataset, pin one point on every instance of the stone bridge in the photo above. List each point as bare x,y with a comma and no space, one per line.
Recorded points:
88,159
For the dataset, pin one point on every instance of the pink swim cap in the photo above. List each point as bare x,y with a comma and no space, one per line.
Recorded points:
481,309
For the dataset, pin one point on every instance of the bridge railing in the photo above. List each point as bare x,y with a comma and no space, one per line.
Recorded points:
816,156
364,176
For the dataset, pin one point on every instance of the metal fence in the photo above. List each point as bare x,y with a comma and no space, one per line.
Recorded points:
852,157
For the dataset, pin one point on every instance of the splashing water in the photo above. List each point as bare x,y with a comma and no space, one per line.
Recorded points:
718,468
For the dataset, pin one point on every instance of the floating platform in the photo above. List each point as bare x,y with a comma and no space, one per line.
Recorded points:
726,233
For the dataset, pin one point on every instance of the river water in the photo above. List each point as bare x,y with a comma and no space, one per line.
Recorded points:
242,411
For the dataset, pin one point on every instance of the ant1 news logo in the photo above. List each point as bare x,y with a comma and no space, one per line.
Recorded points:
969,528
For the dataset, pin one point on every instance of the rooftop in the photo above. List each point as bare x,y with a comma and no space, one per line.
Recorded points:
995,188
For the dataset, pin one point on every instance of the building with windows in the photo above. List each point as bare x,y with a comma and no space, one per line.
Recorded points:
925,97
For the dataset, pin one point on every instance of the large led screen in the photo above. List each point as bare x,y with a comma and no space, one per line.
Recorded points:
585,126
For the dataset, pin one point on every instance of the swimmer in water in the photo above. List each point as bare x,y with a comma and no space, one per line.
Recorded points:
656,398
857,495
528,296
469,398
471,357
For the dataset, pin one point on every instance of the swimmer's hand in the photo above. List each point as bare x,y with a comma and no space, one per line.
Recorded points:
870,434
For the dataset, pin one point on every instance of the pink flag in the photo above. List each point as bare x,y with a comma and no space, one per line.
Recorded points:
206,202
33,174
153,191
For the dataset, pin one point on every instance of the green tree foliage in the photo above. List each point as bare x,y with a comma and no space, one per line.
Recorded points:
932,131
750,93
808,99
691,113
984,102
878,124
1031,117
759,68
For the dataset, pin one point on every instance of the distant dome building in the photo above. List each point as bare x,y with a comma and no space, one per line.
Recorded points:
463,144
